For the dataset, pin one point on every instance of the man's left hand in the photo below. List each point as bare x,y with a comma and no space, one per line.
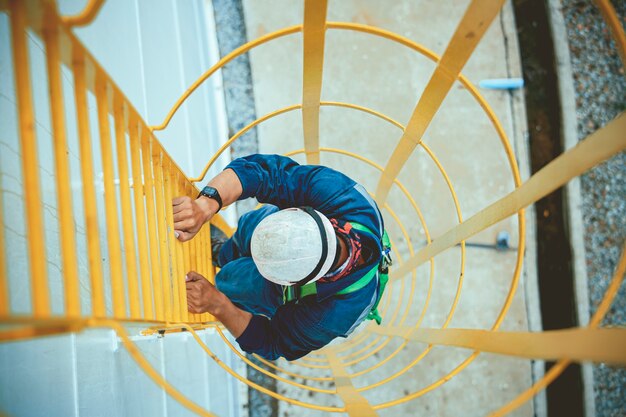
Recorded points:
202,296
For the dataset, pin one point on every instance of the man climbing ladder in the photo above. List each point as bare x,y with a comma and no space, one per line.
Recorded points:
307,267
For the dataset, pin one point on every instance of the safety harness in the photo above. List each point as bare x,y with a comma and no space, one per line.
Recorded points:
381,270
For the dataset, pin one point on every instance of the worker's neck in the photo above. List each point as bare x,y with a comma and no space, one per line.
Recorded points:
343,253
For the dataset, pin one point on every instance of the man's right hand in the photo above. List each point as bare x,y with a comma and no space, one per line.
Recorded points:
190,215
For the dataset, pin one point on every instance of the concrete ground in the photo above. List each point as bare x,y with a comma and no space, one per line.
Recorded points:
379,74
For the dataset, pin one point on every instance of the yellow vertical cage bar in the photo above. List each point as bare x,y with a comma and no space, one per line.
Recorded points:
146,157
89,192
313,35
30,165
201,265
177,275
184,247
128,231
178,247
205,253
199,255
110,200
473,25
161,206
64,192
140,218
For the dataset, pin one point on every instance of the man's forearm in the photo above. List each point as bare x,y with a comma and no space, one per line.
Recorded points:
228,185
235,319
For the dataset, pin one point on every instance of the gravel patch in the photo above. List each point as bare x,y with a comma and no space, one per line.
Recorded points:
600,85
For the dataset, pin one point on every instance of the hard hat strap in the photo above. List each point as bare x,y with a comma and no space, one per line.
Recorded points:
322,230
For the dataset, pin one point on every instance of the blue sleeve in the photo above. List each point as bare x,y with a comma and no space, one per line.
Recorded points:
293,332
283,182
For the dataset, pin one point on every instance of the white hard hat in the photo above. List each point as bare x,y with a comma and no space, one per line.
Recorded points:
294,246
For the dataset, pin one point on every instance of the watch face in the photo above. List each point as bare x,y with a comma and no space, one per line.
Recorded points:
212,193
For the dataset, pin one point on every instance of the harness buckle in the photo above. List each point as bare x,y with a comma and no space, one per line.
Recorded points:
386,260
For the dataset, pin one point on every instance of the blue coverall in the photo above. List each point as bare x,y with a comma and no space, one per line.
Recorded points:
293,329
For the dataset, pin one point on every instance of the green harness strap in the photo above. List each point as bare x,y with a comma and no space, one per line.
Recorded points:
289,293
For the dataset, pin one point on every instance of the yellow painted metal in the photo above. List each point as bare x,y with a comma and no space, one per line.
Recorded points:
89,192
113,231
189,248
64,192
593,150
470,30
205,267
148,188
313,37
356,404
594,345
178,184
161,206
120,117
30,164
140,216
597,147
558,368
85,17
209,268
172,244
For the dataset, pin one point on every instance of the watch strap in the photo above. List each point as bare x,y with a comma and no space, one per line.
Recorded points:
211,192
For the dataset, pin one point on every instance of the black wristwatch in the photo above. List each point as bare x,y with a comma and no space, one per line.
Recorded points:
212,193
